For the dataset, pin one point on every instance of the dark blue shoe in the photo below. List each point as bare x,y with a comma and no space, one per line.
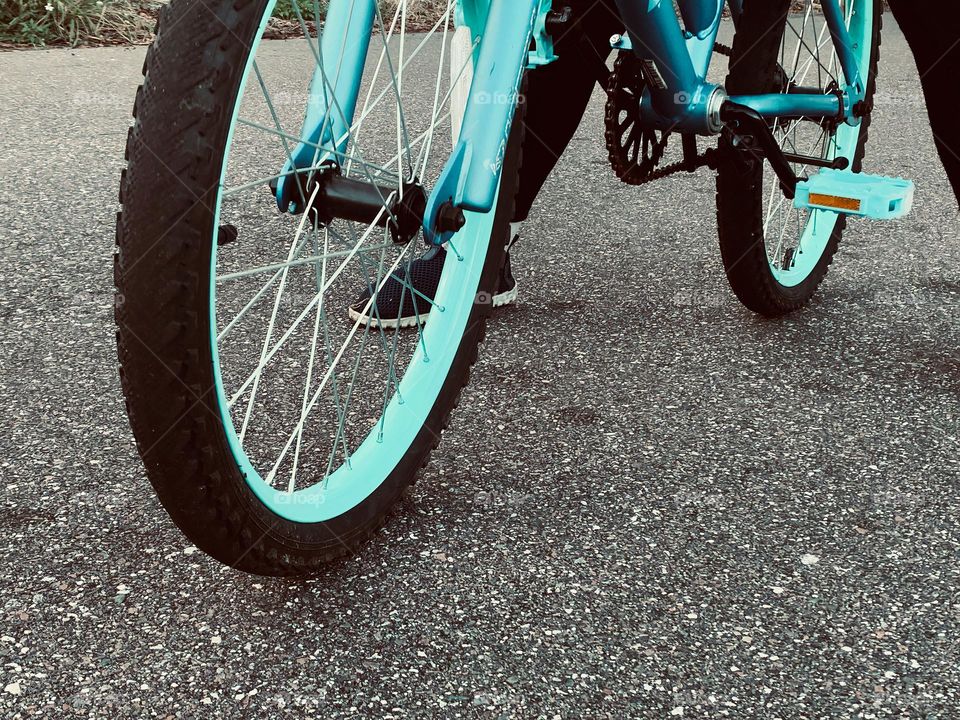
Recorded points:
424,275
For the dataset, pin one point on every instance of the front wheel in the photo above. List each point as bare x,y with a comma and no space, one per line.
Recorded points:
776,256
277,431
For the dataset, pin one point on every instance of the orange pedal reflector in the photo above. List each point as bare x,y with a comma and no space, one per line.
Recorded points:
843,191
835,201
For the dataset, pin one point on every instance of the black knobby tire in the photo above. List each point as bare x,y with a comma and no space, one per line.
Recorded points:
740,178
175,149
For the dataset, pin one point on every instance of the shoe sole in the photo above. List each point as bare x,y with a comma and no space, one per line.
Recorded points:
499,300
505,298
403,322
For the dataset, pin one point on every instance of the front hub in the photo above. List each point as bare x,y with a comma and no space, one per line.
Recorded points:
361,201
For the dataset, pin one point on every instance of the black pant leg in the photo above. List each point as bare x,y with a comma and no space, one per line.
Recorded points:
557,95
932,30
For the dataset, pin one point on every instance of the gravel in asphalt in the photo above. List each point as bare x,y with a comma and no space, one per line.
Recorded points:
650,503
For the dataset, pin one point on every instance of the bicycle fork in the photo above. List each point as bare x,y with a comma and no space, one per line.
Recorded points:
470,178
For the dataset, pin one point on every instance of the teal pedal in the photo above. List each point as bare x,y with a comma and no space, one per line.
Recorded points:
843,191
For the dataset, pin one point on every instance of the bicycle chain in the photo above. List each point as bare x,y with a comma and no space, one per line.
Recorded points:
626,81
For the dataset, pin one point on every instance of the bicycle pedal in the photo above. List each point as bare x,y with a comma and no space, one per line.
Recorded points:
842,191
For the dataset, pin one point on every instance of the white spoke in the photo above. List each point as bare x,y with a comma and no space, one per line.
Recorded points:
313,356
819,42
398,89
422,136
318,161
336,105
436,93
273,320
369,108
253,301
799,47
311,260
269,356
365,108
330,371
317,389
774,191
273,112
366,278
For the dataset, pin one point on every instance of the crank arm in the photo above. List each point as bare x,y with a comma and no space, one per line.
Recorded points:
747,126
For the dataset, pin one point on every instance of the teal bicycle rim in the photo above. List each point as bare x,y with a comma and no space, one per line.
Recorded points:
370,460
792,264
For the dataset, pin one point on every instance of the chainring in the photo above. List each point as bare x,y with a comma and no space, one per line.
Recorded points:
634,151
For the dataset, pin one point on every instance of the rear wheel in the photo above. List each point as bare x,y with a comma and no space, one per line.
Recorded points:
776,256
278,432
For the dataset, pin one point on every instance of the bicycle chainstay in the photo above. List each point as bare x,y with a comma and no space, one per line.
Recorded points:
636,162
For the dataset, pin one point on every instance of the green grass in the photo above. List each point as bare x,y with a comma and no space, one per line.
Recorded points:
73,22
109,22
284,10
418,11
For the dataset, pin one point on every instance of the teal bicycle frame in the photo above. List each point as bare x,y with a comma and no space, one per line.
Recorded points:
675,58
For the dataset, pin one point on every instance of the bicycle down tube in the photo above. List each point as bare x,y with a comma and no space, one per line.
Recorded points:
676,59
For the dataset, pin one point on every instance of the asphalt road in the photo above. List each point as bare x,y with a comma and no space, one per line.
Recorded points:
650,504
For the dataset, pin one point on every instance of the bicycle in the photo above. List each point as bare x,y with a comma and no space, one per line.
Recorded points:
279,434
